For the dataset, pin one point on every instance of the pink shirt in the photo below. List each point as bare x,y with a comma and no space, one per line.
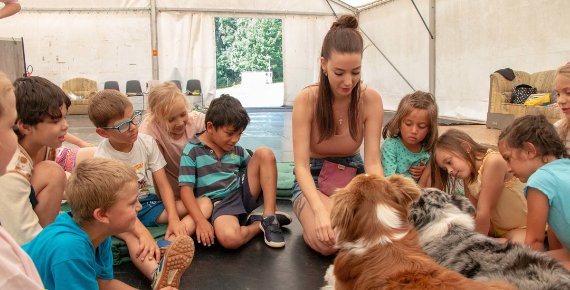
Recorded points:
172,149
17,271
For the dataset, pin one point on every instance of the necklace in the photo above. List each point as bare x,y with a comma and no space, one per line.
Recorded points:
340,120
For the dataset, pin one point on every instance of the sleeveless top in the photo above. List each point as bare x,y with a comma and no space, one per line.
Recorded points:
337,145
511,209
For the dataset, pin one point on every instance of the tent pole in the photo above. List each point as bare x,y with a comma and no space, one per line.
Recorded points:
154,40
432,47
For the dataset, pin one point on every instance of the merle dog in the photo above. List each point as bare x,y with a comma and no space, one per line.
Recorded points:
446,229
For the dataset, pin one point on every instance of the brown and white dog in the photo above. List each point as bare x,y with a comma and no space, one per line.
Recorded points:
378,248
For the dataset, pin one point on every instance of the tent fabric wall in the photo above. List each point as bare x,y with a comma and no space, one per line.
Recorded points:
473,39
111,40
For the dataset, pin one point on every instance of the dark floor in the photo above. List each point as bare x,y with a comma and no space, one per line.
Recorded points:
254,266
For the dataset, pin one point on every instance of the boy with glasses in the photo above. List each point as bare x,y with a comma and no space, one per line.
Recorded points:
115,120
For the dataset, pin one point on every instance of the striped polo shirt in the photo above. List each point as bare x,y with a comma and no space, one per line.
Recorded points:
209,176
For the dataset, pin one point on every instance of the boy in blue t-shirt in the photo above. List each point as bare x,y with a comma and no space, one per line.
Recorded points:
74,252
220,181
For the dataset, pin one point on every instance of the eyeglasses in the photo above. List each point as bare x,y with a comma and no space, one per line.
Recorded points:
126,125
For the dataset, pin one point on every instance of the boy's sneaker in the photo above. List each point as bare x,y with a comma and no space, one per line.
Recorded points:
163,245
177,258
282,217
272,232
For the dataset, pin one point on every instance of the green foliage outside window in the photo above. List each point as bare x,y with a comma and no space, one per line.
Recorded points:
247,44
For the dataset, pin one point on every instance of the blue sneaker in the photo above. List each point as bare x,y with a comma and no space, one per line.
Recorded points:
282,217
272,234
177,258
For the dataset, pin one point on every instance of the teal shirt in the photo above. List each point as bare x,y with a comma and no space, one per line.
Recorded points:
397,159
209,176
553,180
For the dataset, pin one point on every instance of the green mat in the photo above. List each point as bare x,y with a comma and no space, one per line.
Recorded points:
285,178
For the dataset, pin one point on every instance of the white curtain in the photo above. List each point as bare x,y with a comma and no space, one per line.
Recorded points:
187,49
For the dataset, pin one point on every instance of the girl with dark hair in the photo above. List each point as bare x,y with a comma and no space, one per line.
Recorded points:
536,155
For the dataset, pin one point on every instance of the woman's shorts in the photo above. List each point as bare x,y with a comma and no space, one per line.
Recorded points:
238,203
316,165
152,207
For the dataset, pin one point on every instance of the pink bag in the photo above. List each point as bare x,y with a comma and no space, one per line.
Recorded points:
333,176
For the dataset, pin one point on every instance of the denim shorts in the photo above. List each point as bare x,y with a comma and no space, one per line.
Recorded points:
151,209
316,165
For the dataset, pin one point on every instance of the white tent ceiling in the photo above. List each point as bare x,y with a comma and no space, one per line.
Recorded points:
112,40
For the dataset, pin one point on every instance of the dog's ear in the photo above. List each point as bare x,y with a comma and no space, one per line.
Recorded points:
343,209
408,189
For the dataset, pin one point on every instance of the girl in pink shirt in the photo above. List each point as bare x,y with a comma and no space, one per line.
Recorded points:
171,124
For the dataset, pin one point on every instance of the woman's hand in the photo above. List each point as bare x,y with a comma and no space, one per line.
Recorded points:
325,233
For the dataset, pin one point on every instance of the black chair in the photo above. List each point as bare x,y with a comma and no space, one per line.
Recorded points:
178,84
133,88
111,85
194,88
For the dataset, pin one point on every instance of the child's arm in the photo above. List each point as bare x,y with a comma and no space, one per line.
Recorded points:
147,244
553,242
492,184
389,157
70,138
175,226
536,218
425,178
204,230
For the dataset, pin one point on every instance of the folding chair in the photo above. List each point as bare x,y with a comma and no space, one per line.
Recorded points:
194,88
111,85
133,88
178,84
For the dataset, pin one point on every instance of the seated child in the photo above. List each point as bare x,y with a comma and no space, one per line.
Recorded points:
562,87
170,123
536,155
33,186
501,209
74,252
221,183
17,271
114,118
410,136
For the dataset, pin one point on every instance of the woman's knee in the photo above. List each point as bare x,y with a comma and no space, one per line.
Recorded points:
312,241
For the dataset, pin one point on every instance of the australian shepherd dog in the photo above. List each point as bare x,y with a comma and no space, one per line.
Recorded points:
445,226
378,247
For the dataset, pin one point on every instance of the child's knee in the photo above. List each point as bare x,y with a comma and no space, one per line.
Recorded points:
229,238
48,173
264,153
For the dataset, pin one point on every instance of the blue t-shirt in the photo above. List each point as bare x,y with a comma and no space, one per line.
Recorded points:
397,159
553,179
65,257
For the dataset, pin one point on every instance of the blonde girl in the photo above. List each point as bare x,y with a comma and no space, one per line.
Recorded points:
497,195
409,136
562,87
171,124
536,155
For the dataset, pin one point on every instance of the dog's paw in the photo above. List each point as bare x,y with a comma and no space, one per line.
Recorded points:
329,278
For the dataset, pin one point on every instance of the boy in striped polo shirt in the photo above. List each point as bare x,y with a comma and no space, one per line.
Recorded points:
220,181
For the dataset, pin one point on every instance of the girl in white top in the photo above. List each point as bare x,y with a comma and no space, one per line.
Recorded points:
17,271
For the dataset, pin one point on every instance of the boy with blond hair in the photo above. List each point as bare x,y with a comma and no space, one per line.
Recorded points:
115,120
75,251
221,183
